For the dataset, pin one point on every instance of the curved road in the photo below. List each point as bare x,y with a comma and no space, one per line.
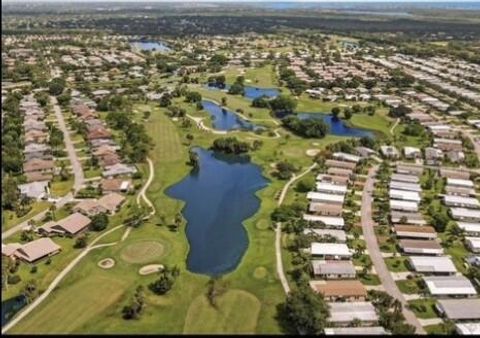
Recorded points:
77,259
376,255
278,231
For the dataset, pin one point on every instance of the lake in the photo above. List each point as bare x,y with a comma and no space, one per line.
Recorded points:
252,92
224,119
336,125
10,307
218,198
150,46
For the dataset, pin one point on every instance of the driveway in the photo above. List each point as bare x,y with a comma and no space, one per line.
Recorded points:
376,255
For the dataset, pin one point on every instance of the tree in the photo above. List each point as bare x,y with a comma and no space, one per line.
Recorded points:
193,159
307,128
224,101
10,193
166,280
99,222
135,308
56,86
81,241
30,291
306,311
216,287
193,97
285,170
347,114
283,104
335,111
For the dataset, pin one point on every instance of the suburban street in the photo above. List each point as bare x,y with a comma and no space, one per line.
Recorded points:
375,254
72,154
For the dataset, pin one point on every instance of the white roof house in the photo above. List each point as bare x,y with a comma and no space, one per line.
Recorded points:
334,250
460,201
405,186
473,243
472,229
449,286
405,195
459,182
465,214
339,235
330,188
403,205
412,152
36,190
389,151
434,265
405,178
335,222
348,311
346,157
321,197
460,309
466,328
362,331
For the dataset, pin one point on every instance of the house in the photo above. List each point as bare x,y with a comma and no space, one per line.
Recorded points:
342,314
433,156
406,206
340,290
110,185
409,170
36,250
460,201
346,157
38,165
71,225
340,164
397,185
37,176
473,244
339,235
470,229
36,150
407,218
455,174
340,180
412,152
415,232
447,286
325,198
355,331
438,265
336,251
340,172
98,133
420,247
389,152
459,191
9,249
462,214
456,156
331,188
35,190
111,202
89,207
334,222
35,136
459,309
446,144
365,152
325,209
405,178
333,269
405,195
467,328
119,169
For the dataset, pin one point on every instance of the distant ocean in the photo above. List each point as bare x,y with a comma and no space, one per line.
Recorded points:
380,6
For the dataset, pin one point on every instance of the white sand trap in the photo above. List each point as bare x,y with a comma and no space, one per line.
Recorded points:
106,263
149,269
312,152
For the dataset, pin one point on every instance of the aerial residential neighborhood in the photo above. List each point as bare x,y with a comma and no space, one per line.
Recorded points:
241,167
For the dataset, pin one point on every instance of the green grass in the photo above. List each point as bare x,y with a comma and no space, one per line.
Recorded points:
10,219
397,264
370,279
143,252
227,318
409,286
423,308
93,172
60,188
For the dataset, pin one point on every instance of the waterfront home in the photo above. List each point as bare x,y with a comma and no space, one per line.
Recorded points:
342,314
333,269
71,225
448,286
420,247
340,290
438,265
459,309
415,232
338,251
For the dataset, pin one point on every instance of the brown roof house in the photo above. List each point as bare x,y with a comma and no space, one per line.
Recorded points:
118,185
70,226
340,290
38,165
37,249
112,202
89,207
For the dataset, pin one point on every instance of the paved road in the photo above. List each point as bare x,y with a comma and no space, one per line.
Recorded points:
376,255
278,232
72,154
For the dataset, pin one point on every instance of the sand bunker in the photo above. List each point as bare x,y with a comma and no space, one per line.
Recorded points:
312,152
106,263
149,269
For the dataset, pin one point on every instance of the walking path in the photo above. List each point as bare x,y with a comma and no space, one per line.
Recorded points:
394,125
375,254
72,154
278,231
73,263
199,122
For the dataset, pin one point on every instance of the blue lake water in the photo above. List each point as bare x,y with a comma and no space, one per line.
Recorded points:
252,92
219,197
336,125
151,46
10,307
224,119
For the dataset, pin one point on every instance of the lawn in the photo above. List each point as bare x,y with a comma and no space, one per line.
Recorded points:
423,308
61,188
397,264
89,173
409,286
10,219
370,279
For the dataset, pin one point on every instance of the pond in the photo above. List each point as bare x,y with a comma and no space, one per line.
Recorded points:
10,307
218,197
224,119
150,46
251,92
